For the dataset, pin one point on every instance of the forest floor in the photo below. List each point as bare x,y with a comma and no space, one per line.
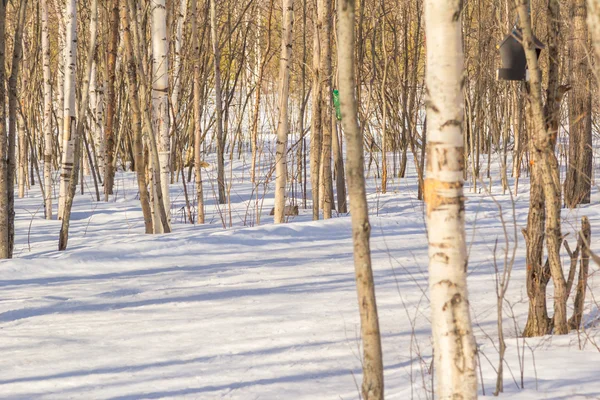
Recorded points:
264,312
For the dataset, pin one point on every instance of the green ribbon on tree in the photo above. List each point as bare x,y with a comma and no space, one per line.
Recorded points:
336,103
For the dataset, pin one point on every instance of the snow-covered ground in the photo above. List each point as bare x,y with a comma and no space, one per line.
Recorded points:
261,311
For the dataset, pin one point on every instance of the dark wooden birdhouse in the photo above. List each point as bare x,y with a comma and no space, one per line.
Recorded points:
514,63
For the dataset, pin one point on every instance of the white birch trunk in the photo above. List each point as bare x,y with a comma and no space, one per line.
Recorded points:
47,122
283,124
372,358
160,95
61,71
453,340
69,111
177,56
78,132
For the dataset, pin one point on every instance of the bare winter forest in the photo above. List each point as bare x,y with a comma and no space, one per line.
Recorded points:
286,199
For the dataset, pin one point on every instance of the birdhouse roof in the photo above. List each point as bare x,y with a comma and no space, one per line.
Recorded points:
516,34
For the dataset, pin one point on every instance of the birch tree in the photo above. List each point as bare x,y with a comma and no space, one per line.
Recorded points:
78,132
177,78
47,120
453,340
285,63
69,112
62,48
109,123
160,95
136,119
372,361
159,214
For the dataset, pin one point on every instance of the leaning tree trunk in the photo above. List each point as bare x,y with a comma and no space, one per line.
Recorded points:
372,362
47,122
453,341
578,184
136,121
160,96
218,103
69,111
77,135
160,221
285,64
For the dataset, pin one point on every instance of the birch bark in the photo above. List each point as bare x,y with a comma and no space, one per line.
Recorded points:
47,122
453,341
285,64
160,96
372,361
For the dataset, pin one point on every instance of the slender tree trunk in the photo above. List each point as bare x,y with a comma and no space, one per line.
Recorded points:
160,220
283,129
109,126
372,361
584,242
578,183
160,96
340,176
4,184
59,9
197,118
97,111
136,120
325,23
316,123
69,112
453,341
23,148
384,139
13,97
22,131
77,134
177,78
47,122
220,138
